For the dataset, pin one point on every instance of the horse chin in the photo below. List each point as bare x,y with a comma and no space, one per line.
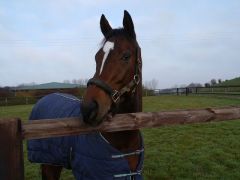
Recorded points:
95,123
95,111
97,120
103,111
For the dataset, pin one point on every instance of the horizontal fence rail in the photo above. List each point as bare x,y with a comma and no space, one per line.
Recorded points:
73,126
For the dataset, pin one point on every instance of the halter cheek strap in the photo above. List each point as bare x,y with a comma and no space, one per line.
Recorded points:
116,94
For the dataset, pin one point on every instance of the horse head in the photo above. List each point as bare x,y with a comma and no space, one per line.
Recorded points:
118,68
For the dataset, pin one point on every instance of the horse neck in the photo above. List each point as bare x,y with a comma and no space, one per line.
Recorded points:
128,140
133,102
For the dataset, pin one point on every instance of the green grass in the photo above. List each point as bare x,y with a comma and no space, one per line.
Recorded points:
158,103
22,111
199,151
193,151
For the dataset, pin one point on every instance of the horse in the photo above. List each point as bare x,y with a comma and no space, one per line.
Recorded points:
116,87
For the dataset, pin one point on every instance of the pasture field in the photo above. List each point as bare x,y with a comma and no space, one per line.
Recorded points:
198,151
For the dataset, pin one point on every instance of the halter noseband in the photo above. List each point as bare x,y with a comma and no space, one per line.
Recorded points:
116,94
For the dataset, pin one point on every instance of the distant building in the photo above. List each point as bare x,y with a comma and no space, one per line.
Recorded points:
51,85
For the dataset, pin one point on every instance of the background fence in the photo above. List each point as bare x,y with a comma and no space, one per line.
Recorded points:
214,90
9,101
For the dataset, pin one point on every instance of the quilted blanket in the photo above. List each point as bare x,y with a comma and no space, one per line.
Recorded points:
89,156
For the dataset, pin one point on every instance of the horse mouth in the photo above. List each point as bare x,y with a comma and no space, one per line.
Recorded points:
90,112
97,110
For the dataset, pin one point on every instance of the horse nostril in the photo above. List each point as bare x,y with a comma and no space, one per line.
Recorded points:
89,111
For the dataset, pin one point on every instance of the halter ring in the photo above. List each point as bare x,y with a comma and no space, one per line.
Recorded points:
136,79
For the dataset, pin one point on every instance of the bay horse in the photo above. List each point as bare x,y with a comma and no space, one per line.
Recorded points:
116,87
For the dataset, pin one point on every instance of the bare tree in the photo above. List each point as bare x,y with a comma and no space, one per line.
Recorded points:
26,84
213,82
182,86
82,82
195,85
85,81
207,84
175,86
66,81
219,81
74,81
152,84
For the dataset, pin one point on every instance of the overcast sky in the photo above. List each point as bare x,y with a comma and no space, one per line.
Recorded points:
182,41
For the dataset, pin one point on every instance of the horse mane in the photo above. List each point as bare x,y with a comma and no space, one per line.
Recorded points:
118,32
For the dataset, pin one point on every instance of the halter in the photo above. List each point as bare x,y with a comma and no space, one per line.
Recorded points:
114,94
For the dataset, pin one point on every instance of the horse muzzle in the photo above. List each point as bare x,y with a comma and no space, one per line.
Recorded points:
90,113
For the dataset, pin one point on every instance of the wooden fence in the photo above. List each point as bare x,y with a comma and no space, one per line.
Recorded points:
13,131
9,101
215,90
212,90
22,100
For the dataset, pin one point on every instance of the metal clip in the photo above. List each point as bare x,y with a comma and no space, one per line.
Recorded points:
136,79
115,96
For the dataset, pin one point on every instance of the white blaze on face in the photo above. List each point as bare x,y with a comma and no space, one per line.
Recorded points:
108,46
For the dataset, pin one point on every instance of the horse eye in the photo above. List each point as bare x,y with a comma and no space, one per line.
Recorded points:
126,56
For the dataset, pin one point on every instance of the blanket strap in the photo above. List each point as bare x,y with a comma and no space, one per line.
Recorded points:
137,152
128,174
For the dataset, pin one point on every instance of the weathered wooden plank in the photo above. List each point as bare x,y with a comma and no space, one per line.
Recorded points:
72,126
11,150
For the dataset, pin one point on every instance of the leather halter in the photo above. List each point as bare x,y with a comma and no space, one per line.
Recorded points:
114,94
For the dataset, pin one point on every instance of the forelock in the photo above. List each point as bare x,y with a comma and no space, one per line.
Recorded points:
117,32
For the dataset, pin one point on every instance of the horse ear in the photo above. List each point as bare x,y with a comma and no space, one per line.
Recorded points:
128,24
105,26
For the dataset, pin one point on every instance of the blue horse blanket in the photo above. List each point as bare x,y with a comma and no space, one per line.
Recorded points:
89,156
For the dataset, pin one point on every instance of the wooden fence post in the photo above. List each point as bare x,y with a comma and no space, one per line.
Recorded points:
187,91
11,150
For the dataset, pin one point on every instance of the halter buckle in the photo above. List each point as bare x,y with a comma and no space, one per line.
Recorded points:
136,79
115,96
